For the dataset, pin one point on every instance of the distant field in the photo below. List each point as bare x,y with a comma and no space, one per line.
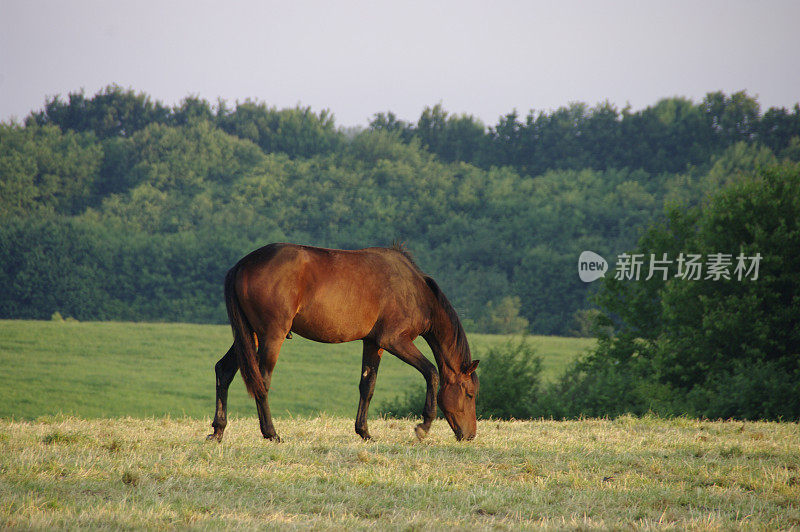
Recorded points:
66,473
108,369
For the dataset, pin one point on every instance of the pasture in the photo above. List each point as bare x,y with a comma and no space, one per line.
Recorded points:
108,369
65,472
104,425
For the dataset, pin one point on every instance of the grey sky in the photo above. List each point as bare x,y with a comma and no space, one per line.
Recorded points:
359,58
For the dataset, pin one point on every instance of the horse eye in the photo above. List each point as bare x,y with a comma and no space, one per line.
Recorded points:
469,395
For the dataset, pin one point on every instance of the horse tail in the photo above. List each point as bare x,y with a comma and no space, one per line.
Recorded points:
244,343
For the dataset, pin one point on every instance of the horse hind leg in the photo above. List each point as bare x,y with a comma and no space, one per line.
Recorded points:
268,351
370,360
225,370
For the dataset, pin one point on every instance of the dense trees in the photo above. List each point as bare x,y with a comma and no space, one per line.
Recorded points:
111,112
715,346
43,168
118,207
669,137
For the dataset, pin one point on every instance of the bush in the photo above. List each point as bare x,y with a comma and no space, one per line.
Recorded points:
510,381
596,387
750,391
408,404
502,317
724,348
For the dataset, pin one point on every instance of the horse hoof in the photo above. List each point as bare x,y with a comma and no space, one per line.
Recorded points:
214,437
420,432
274,437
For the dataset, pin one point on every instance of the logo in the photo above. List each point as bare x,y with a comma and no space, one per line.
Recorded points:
591,266
687,266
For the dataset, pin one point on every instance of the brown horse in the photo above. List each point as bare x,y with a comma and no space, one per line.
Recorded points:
377,295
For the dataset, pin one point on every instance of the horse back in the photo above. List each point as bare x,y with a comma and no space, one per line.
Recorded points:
333,295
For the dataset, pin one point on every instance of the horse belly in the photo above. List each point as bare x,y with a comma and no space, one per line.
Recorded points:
334,323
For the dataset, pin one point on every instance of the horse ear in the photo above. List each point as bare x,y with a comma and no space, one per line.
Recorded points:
468,370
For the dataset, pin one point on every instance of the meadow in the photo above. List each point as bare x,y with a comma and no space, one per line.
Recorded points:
110,369
103,425
65,472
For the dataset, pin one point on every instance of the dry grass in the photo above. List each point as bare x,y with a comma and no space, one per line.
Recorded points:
641,473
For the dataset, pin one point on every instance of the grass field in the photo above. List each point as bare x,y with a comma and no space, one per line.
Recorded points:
111,369
135,455
624,473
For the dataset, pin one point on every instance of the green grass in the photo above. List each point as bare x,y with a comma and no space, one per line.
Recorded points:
607,474
109,369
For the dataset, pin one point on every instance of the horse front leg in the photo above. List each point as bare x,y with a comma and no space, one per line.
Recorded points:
225,370
370,360
406,351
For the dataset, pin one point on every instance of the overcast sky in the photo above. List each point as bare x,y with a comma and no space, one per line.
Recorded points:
358,58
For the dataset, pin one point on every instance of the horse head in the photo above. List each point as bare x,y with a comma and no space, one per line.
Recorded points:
457,401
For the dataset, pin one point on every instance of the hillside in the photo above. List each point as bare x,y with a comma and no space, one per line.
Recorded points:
115,207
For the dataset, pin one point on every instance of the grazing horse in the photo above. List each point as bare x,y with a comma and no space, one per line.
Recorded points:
376,295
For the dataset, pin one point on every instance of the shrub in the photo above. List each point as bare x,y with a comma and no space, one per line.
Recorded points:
502,317
510,381
408,404
709,347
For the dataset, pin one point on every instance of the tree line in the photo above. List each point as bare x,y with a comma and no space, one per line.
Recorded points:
116,206
667,137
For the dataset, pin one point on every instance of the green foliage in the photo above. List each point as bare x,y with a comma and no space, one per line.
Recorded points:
111,112
670,136
410,403
298,132
510,382
42,168
595,386
114,206
714,325
502,317
713,348
586,324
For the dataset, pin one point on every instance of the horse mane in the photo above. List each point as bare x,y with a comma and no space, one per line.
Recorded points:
400,247
461,344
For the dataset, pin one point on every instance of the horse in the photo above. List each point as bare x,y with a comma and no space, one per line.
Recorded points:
376,295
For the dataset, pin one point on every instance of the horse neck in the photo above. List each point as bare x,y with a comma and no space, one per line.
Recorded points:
442,339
